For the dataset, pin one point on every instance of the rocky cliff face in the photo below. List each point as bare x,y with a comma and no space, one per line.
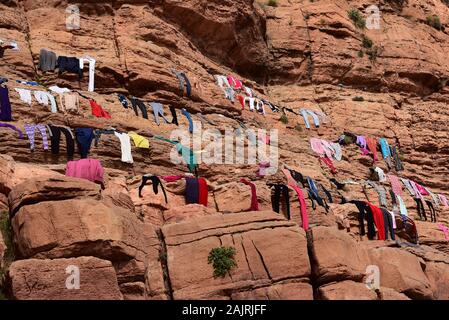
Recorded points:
298,54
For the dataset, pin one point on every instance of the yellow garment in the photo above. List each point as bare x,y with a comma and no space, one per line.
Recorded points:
139,141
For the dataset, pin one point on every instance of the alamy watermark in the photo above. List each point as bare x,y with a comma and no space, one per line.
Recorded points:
373,19
231,146
372,280
72,282
72,20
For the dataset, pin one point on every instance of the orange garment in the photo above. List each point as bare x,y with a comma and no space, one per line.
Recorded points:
372,146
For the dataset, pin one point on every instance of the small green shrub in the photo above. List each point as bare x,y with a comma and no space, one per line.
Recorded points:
357,18
284,118
367,42
434,21
358,98
360,54
298,127
373,53
222,260
272,3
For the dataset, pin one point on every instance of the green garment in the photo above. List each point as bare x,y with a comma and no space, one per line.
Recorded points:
187,154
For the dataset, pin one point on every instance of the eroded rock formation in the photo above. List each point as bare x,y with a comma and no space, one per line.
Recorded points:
298,54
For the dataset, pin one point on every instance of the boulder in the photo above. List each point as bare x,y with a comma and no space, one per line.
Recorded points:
42,279
401,271
281,291
438,275
48,188
70,228
186,212
269,249
346,290
390,294
336,256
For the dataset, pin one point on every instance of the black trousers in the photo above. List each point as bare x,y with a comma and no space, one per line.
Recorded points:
156,182
280,189
433,215
175,117
420,208
136,103
56,140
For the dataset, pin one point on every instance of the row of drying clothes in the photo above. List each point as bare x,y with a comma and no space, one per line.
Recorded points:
82,137
383,220
48,61
67,102
233,88
280,195
369,146
196,189
416,190
139,106
230,85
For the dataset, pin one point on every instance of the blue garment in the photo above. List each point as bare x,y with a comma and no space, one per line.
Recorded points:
84,137
5,105
31,83
402,207
385,147
192,191
184,112
123,101
316,120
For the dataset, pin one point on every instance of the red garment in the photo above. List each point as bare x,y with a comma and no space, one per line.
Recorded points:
235,83
98,111
329,163
378,221
303,208
372,146
421,189
172,178
254,202
203,193
242,101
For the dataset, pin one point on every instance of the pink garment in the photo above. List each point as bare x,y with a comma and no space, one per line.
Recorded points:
445,230
288,175
265,139
443,200
172,178
422,190
263,166
303,208
317,146
328,148
396,185
89,169
414,185
234,83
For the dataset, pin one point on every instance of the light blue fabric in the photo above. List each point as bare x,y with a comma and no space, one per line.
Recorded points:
305,114
402,206
385,147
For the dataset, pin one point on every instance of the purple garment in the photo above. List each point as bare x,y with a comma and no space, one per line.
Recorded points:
361,142
5,105
30,130
7,125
